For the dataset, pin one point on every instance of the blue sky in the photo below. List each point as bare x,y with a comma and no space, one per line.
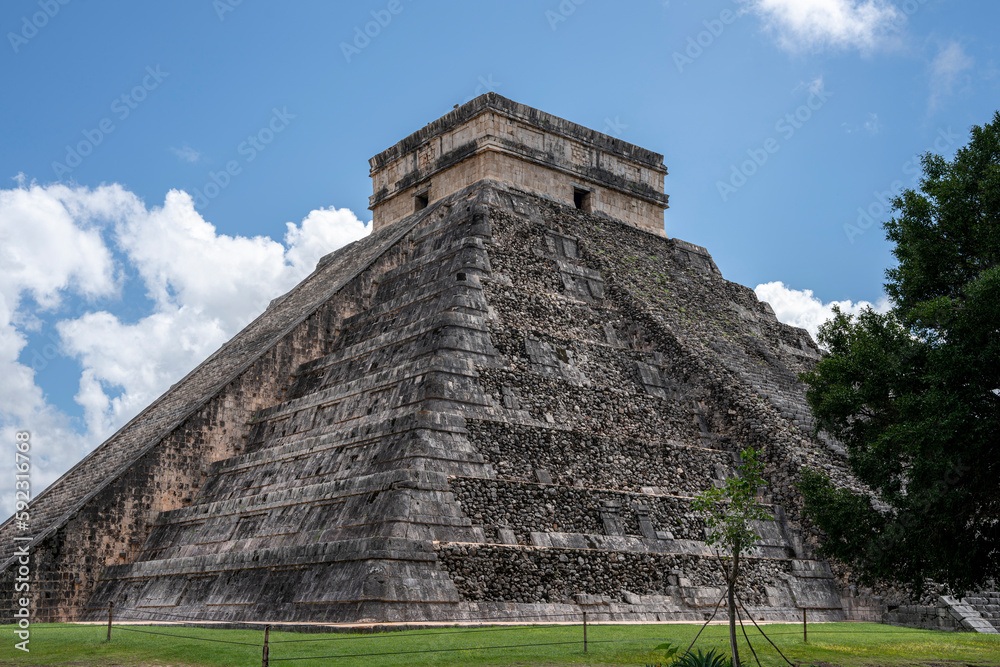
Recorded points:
127,255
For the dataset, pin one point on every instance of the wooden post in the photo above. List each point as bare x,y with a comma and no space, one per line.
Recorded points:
267,630
805,631
584,632
111,606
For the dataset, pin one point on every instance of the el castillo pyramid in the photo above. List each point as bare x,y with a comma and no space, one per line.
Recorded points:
496,406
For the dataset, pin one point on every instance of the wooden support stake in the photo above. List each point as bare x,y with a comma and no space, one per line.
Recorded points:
584,632
267,630
805,630
111,606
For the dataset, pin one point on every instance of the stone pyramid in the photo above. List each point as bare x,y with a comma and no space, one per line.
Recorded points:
497,406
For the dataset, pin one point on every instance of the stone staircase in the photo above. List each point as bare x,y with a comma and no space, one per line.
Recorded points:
988,606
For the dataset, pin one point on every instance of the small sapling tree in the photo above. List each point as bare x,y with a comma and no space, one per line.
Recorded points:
729,512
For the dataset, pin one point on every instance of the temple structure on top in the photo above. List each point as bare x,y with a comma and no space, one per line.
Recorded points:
493,138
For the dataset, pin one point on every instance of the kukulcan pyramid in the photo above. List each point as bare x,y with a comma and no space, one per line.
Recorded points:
498,405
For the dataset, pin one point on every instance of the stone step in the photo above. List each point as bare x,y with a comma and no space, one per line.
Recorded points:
373,430
400,337
465,252
402,377
410,307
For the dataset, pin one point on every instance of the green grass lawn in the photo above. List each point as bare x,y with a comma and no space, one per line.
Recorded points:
836,644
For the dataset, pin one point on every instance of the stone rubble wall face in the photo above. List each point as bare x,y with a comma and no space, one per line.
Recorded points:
575,458
526,507
493,573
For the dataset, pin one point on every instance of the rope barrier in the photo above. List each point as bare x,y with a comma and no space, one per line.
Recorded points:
717,605
520,618
422,634
201,639
817,629
442,650
740,619
469,648
740,603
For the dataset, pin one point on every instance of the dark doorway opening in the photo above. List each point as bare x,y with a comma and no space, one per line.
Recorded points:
420,201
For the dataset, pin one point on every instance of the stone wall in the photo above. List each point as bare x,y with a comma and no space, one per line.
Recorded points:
707,338
574,458
524,507
527,575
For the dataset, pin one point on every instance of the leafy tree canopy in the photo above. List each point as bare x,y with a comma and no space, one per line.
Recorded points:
914,394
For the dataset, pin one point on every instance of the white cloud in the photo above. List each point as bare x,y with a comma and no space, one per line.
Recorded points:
320,232
813,25
184,262
801,308
57,241
186,153
50,246
126,366
206,287
948,73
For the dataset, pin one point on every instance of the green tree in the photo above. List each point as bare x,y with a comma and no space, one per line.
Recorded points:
729,513
914,394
